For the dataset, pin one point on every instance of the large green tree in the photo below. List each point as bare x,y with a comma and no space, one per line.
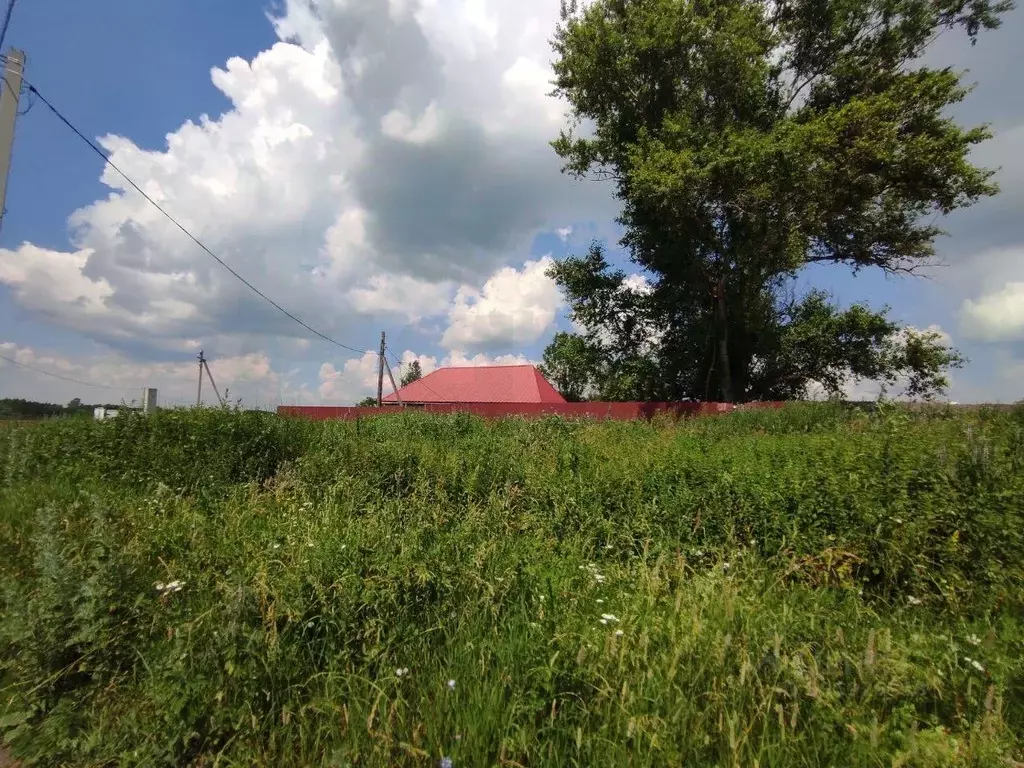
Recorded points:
746,140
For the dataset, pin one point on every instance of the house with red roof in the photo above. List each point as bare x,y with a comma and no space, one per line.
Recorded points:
479,384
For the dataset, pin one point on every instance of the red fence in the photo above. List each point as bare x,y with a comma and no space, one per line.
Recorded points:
600,411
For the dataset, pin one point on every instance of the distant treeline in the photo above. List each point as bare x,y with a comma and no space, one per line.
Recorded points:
16,408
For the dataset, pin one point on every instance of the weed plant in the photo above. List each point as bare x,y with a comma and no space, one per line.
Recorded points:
807,587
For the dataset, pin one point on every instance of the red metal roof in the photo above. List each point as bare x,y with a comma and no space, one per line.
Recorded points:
480,384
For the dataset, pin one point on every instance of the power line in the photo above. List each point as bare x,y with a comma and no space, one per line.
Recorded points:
65,378
32,89
420,381
7,22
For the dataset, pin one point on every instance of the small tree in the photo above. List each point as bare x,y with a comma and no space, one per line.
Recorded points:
412,373
367,402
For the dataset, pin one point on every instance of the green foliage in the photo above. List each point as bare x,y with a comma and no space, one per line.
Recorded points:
570,364
815,585
367,402
747,140
16,408
412,373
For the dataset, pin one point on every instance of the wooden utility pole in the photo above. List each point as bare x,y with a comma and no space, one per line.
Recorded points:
213,383
10,92
391,376
380,373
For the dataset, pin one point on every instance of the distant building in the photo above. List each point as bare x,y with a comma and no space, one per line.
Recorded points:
100,413
479,384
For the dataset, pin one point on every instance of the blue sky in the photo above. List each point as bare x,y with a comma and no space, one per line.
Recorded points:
381,169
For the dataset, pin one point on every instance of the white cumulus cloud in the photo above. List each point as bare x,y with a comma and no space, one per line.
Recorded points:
995,316
513,307
378,155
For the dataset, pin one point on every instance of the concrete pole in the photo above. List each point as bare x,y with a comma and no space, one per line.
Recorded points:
380,373
391,376
199,391
10,92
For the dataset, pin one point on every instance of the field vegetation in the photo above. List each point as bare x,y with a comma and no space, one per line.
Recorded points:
812,586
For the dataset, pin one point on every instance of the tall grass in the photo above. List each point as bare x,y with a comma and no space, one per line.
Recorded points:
811,586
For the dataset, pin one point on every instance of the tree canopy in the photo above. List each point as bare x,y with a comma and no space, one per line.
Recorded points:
747,140
413,373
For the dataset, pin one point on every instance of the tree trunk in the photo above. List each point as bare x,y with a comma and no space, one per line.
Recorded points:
724,370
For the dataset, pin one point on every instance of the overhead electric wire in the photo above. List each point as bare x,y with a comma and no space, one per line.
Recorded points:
7,22
197,241
420,380
65,378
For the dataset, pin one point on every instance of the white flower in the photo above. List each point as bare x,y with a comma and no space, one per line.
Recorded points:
276,546
609,617
608,546
699,553
451,685
973,640
603,621
600,601
898,521
619,633
401,672
725,566
976,664
169,587
913,600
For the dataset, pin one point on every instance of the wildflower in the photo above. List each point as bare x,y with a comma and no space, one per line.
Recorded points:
608,546
973,640
446,762
609,616
451,685
619,633
699,553
974,663
603,621
600,601
725,566
401,672
913,600
277,546
169,587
